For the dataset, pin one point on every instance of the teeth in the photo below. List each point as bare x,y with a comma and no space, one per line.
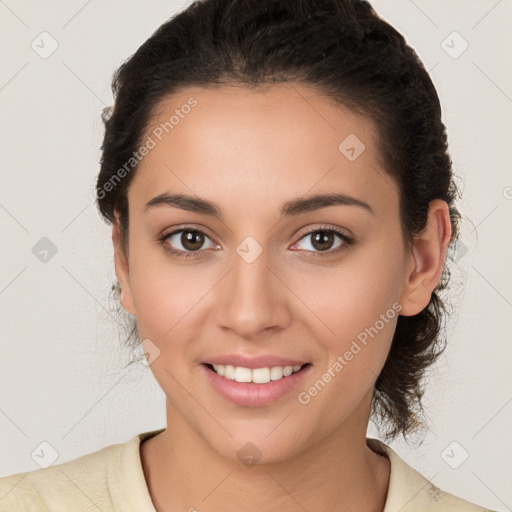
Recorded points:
276,373
287,370
257,375
229,372
243,374
260,375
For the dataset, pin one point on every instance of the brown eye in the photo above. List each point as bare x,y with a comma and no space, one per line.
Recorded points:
322,240
192,240
186,242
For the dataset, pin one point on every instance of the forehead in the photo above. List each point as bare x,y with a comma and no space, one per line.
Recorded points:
260,145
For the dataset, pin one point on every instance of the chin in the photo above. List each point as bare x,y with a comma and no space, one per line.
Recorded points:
253,445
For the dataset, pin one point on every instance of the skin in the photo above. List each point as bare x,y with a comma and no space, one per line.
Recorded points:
249,151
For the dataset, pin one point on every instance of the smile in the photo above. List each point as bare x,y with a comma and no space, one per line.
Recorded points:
254,387
256,375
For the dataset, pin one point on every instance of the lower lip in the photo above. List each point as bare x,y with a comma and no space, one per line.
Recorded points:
249,394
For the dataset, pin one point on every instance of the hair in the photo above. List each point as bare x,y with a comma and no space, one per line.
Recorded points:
347,53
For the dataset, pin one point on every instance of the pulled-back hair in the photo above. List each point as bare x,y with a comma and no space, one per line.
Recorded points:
344,51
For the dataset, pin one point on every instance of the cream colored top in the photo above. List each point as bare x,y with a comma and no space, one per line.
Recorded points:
112,480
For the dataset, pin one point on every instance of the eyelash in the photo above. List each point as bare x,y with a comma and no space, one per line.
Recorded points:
347,242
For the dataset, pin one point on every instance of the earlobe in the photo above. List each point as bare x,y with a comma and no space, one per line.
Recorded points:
122,268
427,259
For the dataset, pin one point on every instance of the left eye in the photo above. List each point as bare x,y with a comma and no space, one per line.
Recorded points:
322,240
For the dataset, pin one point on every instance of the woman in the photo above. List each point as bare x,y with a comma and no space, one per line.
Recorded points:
281,198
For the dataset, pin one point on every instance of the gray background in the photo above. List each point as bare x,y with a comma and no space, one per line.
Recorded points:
63,375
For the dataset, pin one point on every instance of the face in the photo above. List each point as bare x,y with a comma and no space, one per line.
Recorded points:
263,276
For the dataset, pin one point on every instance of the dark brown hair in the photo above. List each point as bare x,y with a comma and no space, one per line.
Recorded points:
346,52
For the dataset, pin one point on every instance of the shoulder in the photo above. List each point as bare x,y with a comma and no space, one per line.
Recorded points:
72,484
409,491
103,480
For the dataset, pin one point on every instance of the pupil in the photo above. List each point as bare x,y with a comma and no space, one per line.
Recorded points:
192,240
322,240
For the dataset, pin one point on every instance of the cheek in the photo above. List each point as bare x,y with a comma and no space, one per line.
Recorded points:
156,290
351,296
170,299
364,321
164,300
358,308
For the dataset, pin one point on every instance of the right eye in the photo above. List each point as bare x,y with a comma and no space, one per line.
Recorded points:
190,239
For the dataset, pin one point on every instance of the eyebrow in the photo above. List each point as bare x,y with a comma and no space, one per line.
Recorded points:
290,208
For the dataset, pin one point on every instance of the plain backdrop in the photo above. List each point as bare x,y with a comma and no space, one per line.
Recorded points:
63,373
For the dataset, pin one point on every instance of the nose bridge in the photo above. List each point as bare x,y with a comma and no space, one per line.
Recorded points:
251,301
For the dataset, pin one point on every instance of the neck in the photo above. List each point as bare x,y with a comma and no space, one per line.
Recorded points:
340,473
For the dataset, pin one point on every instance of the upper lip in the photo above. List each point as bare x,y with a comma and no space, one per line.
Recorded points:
252,362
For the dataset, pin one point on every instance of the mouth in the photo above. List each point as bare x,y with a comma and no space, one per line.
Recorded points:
261,375
254,387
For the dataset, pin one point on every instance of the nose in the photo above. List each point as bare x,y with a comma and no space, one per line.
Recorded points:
253,299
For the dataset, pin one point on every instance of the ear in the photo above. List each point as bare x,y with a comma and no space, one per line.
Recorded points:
427,258
122,268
